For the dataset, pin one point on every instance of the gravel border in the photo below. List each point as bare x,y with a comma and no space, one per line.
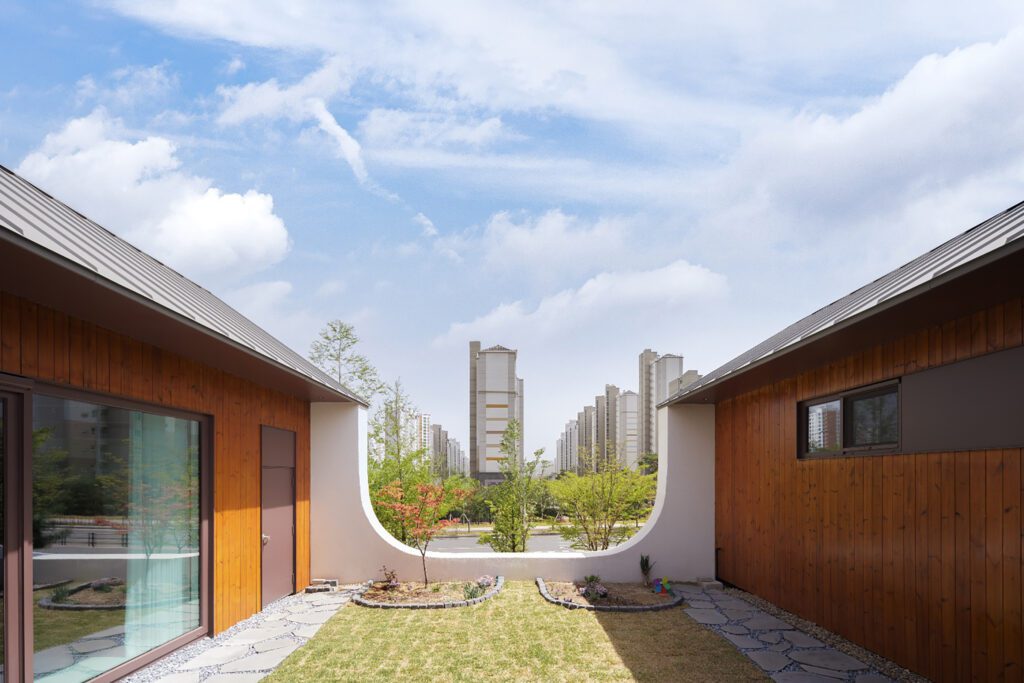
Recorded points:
171,663
678,600
872,659
498,583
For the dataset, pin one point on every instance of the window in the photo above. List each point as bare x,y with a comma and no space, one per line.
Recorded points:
861,421
116,528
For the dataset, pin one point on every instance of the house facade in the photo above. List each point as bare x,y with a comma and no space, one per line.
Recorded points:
155,445
867,460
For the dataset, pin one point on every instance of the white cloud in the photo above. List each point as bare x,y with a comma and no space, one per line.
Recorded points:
555,243
387,128
128,86
429,230
270,99
137,188
234,66
330,288
303,101
940,150
601,299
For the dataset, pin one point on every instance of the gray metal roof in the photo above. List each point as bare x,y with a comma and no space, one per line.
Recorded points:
49,223
984,239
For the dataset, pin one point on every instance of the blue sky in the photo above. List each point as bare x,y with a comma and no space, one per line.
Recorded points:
576,180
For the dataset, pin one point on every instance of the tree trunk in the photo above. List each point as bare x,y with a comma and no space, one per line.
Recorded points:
423,556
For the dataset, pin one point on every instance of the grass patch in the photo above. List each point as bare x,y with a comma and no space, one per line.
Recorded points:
59,627
514,636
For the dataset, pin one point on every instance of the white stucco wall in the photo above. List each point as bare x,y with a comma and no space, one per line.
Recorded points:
349,544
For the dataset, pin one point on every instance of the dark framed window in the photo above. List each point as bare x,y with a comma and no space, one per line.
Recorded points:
107,506
857,422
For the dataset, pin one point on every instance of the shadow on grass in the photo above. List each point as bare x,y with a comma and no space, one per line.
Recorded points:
670,646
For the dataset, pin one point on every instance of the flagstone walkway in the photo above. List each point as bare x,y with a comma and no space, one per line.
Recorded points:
251,649
784,652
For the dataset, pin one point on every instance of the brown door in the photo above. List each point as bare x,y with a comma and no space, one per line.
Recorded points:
278,515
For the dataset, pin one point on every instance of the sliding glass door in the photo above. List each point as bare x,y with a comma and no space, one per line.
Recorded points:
104,510
115,532
4,444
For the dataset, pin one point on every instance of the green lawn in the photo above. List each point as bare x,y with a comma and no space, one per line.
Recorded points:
57,627
516,636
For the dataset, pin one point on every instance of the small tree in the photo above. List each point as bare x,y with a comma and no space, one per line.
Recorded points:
514,500
334,353
421,513
596,502
394,456
648,463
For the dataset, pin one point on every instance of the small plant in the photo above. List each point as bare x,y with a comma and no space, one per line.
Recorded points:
390,578
485,581
103,588
60,594
593,587
645,568
472,590
436,588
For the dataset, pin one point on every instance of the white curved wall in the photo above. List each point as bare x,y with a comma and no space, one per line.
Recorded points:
349,544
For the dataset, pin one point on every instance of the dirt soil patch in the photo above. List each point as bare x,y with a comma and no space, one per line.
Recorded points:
415,593
114,596
621,594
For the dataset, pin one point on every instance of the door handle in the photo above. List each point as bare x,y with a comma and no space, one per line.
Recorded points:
266,539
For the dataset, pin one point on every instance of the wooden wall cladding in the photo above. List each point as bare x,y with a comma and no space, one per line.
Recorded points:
47,345
916,557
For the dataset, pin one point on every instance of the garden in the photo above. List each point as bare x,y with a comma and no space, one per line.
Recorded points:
518,636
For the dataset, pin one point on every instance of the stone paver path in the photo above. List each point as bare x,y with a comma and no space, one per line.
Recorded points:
253,648
785,653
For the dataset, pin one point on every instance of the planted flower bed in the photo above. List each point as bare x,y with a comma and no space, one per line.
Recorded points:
592,594
391,594
102,594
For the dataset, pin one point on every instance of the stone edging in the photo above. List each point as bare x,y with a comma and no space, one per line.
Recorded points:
358,599
678,600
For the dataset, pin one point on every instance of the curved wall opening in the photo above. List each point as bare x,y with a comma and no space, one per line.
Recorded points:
350,543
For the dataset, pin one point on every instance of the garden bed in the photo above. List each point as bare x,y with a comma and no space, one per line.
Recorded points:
438,595
102,594
621,597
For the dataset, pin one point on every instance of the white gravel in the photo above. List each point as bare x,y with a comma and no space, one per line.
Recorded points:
269,617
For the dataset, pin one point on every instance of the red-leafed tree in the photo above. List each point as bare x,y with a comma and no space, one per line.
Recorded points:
420,513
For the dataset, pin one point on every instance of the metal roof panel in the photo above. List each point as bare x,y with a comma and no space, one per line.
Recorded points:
989,236
49,223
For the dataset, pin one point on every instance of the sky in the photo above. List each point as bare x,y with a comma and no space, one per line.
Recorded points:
576,180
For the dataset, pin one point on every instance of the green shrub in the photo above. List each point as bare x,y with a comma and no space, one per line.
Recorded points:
60,594
471,591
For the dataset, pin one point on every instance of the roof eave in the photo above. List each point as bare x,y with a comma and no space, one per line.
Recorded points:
700,394
15,239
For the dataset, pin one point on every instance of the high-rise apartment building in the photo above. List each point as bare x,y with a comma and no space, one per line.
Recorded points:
455,457
572,446
495,398
439,450
656,374
423,432
646,425
627,432
588,438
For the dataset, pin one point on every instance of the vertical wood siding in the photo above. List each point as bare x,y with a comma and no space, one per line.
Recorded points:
47,345
918,556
